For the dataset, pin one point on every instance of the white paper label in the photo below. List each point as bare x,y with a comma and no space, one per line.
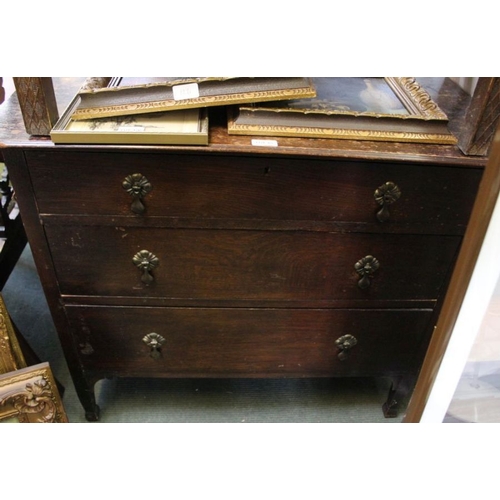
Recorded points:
132,128
265,142
186,91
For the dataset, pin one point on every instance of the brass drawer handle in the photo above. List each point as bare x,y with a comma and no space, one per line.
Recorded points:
145,261
154,341
344,344
366,267
138,187
386,195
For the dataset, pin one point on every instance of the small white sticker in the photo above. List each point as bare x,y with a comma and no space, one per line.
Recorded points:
265,142
186,91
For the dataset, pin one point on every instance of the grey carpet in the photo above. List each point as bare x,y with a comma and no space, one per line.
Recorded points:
194,400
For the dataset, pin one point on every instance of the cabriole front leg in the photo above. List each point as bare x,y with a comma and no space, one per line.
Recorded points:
85,390
397,397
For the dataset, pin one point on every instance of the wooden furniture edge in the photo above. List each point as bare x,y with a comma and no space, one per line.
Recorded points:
480,217
482,118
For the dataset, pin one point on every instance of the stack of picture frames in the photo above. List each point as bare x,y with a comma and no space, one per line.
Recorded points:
312,110
28,394
387,109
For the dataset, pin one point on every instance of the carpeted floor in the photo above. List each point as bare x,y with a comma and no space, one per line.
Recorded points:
197,401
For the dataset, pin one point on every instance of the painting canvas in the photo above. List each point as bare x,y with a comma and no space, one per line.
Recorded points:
360,108
188,126
353,95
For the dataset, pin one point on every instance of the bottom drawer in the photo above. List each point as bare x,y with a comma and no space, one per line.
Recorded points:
209,342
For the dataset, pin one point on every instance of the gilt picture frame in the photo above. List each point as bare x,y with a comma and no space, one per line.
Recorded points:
30,395
179,127
121,96
396,109
11,356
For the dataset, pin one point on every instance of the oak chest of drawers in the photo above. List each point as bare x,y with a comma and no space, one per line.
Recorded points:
317,258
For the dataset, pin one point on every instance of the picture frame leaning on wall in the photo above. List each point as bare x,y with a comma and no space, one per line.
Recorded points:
30,395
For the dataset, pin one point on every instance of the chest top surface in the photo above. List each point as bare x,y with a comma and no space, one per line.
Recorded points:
448,96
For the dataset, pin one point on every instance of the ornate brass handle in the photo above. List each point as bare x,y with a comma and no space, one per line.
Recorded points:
366,267
386,195
344,344
138,187
146,262
155,341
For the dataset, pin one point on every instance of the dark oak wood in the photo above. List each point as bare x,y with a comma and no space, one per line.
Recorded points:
197,186
483,117
41,254
247,342
248,265
487,198
256,250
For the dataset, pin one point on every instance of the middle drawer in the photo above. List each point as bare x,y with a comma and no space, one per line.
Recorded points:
248,265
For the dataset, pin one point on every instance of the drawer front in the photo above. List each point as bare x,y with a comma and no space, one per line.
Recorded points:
232,342
229,187
248,265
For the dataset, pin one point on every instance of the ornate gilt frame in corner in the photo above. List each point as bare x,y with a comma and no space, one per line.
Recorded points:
11,356
387,109
30,395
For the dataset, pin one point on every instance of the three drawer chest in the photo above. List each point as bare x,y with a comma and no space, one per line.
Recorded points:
315,258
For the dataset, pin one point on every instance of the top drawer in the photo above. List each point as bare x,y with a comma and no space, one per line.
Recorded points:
249,187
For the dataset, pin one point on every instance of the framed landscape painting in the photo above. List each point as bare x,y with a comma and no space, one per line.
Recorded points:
357,108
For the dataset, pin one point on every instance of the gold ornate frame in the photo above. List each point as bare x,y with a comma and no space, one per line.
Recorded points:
102,97
152,128
416,99
424,121
11,356
30,395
